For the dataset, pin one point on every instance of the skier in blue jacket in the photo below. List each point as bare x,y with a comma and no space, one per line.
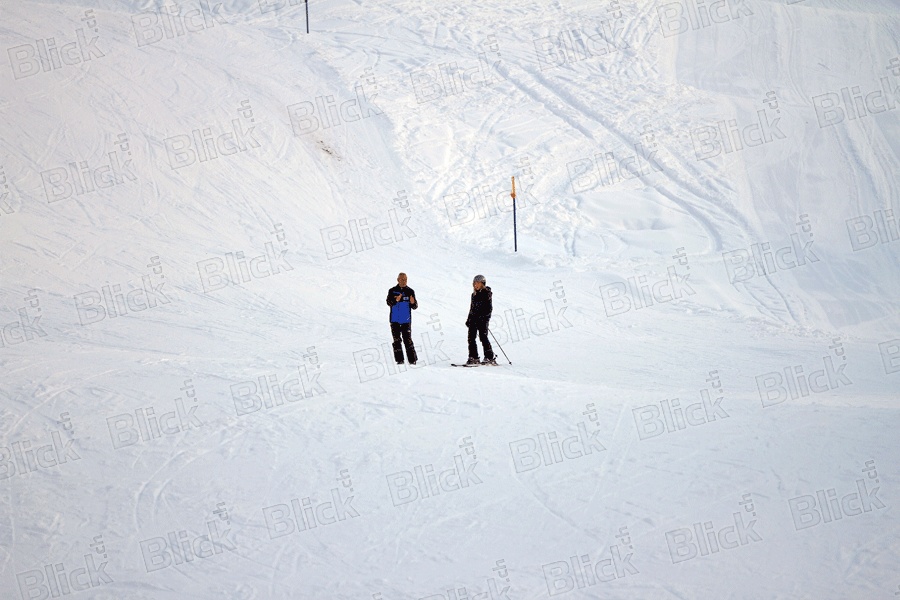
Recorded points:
402,300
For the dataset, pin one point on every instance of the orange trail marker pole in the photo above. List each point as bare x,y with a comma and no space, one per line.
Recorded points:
513,194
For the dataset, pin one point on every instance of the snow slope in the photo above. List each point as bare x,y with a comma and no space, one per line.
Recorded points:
666,285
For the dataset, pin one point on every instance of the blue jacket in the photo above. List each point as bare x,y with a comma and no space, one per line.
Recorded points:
401,312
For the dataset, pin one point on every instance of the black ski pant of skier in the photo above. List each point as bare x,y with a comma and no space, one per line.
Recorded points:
403,330
481,330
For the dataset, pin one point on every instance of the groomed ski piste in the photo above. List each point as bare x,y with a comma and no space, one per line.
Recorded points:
201,213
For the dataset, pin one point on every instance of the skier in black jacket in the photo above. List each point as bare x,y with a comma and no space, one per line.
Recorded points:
478,320
402,300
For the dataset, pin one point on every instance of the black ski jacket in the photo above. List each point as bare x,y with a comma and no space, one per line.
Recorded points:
481,307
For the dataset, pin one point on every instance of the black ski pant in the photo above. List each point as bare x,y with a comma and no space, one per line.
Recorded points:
481,330
403,330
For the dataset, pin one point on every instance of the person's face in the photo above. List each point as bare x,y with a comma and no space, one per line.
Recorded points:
402,280
477,285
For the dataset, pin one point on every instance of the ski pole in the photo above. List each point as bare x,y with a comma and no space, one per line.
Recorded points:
498,345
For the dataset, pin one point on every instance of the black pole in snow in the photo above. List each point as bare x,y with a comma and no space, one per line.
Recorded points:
306,2
515,236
